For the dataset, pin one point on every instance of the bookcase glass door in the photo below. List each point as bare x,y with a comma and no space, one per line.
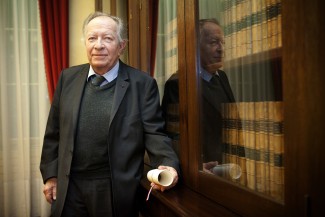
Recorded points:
240,89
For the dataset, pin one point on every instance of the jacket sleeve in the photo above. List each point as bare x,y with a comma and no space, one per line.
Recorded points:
49,157
158,144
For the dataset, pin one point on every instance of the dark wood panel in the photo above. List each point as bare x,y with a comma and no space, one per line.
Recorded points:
145,32
183,106
192,101
134,34
98,5
304,94
237,198
179,201
113,7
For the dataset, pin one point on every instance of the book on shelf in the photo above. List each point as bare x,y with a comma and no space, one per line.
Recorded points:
264,26
279,24
253,139
250,144
232,139
251,26
272,23
276,141
256,26
242,160
259,147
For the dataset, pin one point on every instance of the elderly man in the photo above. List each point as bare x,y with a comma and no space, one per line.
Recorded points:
104,115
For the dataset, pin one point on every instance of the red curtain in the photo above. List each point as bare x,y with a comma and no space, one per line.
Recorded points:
55,36
153,26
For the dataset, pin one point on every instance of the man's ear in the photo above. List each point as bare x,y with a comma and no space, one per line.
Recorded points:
122,46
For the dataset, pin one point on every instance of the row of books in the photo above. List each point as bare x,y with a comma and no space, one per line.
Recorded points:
251,26
253,139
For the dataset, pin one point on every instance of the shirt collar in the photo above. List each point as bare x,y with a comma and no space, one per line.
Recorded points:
109,76
205,75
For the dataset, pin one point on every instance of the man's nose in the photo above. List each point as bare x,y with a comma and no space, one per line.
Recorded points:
220,46
99,43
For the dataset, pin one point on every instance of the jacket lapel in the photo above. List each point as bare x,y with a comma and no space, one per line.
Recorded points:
226,87
207,94
77,92
122,84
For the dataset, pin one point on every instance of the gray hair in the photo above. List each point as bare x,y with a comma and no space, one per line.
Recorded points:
121,30
202,22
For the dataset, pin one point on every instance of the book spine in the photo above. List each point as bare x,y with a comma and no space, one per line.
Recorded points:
256,26
233,30
234,157
276,151
272,23
250,144
266,154
225,133
264,26
241,145
279,24
239,27
260,119
249,24
227,30
244,27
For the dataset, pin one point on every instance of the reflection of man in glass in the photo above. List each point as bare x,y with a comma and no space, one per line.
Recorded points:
215,90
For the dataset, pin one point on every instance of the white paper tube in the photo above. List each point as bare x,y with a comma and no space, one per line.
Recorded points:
227,170
160,177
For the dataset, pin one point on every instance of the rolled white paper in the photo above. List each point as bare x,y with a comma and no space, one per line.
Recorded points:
160,177
227,170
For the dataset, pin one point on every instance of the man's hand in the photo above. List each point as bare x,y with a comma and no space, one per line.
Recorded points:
175,179
49,189
209,165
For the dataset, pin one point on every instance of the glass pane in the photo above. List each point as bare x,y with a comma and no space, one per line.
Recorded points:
240,86
166,68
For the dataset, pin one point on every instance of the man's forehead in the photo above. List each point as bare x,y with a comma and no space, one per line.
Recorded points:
101,21
212,32
101,25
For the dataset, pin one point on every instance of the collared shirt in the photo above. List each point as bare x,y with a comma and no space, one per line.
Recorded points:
109,76
206,75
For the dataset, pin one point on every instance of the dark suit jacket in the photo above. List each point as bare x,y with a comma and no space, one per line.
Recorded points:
136,124
210,119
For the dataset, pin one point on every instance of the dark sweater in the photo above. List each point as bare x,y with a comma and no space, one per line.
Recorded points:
90,155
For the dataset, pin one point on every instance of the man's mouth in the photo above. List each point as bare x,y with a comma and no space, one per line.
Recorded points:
99,55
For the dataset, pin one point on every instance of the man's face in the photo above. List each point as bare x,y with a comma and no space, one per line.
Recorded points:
102,44
211,47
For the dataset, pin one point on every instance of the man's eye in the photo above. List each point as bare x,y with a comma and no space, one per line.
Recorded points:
214,42
108,39
217,42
